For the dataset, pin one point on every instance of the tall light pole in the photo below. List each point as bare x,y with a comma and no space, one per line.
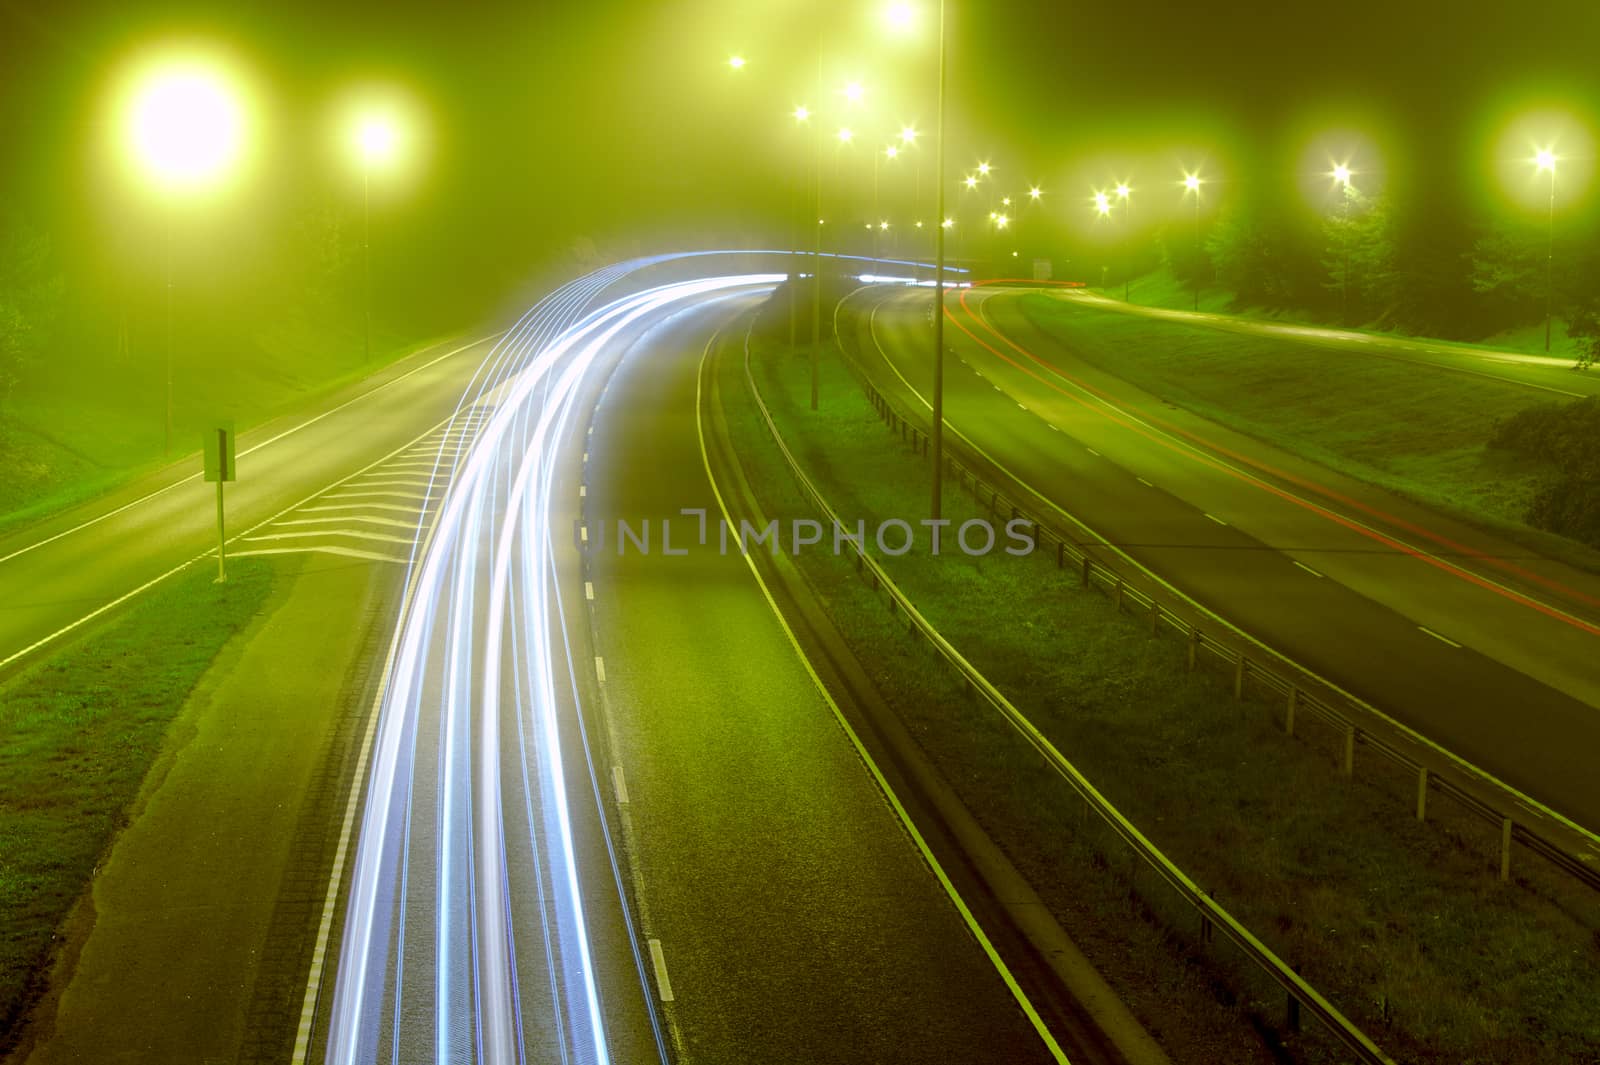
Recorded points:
1191,184
376,139
1545,159
185,125
1341,175
1125,194
801,115
1102,209
901,16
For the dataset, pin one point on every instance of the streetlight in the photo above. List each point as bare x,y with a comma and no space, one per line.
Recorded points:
736,62
1034,193
1341,174
1545,159
376,138
1191,184
900,16
185,124
801,115
1125,194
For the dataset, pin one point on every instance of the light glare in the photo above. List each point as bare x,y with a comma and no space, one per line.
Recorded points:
186,124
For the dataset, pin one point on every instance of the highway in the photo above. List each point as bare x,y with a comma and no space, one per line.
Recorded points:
71,567
609,814
1464,638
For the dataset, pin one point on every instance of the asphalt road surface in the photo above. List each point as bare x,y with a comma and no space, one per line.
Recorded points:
795,917
1476,645
610,814
58,572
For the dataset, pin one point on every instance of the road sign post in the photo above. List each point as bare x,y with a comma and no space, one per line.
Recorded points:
217,447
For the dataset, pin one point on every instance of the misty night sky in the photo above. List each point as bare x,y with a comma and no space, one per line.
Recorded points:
621,121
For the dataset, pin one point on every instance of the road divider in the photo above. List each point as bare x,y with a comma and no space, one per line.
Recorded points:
1210,915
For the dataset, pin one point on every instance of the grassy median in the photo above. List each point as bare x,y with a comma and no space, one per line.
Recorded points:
79,732
1403,925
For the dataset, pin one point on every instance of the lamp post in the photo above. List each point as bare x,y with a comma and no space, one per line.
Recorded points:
1125,194
376,137
900,17
1545,159
1191,184
185,127
1341,175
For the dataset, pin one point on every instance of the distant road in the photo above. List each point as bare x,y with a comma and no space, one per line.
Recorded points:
1551,374
64,569
1465,638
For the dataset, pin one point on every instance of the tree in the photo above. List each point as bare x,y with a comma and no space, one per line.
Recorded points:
30,299
1252,257
1508,266
1360,256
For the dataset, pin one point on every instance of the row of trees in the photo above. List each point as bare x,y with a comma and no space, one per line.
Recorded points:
31,294
1372,261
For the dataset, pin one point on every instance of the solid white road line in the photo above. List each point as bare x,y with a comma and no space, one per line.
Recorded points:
1307,568
659,960
361,506
249,450
377,538
1441,639
361,519
1216,519
321,549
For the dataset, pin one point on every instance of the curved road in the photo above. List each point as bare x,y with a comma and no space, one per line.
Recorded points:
611,814
1458,636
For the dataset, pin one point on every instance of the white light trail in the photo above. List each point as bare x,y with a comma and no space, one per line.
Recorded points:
428,959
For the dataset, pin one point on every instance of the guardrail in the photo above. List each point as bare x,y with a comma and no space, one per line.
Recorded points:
1305,696
1300,995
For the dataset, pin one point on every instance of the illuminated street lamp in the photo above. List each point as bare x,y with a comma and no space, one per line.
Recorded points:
1545,159
901,16
1191,184
1034,193
845,135
854,92
1125,194
736,62
376,140
185,124
983,169
1102,204
1341,174
970,182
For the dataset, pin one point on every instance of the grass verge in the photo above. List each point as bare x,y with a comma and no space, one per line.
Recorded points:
1403,925
79,732
63,443
1412,430
1161,288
